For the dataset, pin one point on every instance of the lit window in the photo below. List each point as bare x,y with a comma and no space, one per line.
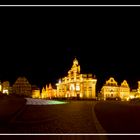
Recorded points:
72,87
77,87
5,91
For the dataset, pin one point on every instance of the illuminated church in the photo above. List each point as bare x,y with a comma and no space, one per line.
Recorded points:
76,84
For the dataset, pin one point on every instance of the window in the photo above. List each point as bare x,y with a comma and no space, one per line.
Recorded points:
72,87
77,87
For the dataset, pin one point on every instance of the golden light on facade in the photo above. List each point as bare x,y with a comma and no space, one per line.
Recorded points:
76,84
5,91
77,87
22,87
112,90
48,92
0,87
135,93
36,93
131,96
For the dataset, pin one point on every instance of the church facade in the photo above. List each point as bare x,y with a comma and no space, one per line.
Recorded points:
76,84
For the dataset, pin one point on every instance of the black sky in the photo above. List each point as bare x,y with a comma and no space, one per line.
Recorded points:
41,43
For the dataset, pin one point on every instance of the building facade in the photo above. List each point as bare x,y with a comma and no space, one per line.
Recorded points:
0,87
35,92
76,84
6,87
135,93
48,92
111,89
138,89
22,87
124,92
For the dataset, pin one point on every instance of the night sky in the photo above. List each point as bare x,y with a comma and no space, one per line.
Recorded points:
41,43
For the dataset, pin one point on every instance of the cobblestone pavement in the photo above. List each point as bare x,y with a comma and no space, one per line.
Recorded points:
119,117
50,137
74,117
9,106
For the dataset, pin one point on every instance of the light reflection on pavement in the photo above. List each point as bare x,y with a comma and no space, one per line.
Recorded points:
31,101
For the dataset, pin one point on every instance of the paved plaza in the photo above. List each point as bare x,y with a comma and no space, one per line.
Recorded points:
72,117
37,116
45,117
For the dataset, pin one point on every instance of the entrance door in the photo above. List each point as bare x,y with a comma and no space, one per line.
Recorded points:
78,96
